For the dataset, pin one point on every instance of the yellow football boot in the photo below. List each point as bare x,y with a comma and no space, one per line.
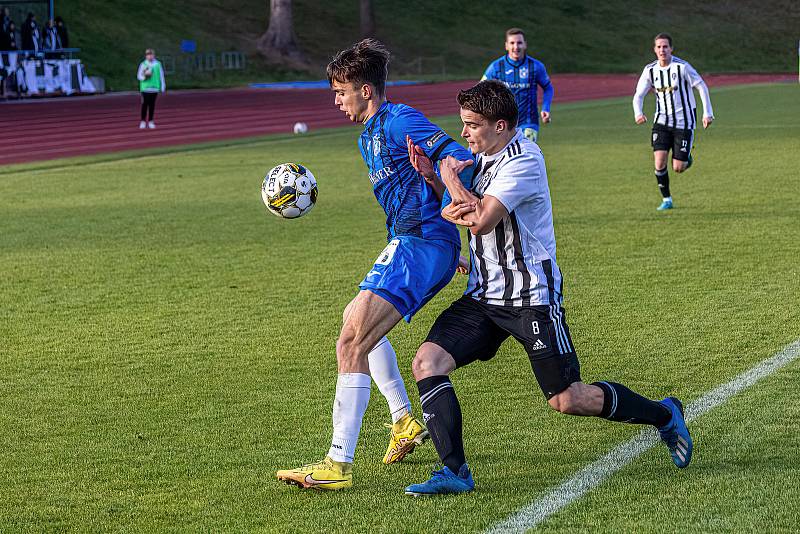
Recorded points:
324,475
406,434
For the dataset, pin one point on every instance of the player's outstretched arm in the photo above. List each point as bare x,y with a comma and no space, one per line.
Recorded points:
543,81
642,88
708,113
456,213
547,96
450,168
697,82
423,165
480,216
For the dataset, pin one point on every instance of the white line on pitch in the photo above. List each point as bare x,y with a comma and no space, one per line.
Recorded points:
595,473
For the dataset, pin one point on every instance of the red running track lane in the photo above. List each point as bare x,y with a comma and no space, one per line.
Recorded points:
35,130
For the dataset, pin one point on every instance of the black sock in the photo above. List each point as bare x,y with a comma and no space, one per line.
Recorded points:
662,177
623,405
442,415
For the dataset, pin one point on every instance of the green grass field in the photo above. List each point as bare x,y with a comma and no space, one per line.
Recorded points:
167,345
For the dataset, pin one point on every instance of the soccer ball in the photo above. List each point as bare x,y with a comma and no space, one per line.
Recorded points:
300,128
289,190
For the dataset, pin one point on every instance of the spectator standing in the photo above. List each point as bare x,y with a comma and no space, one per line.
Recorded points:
63,33
52,41
5,24
31,35
8,39
151,82
5,19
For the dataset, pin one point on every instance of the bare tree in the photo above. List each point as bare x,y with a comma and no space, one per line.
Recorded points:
279,43
367,10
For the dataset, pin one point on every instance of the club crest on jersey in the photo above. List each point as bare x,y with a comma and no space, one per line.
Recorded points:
482,184
523,72
376,145
674,75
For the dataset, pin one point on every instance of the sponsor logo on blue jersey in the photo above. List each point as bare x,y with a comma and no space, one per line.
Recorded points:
434,138
381,174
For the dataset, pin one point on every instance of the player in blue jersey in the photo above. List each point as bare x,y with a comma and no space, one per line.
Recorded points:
523,75
419,260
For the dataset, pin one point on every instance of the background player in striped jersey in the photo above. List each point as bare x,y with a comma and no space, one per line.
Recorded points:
419,260
672,79
515,289
523,75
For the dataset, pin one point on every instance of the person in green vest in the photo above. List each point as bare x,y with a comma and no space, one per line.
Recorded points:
151,82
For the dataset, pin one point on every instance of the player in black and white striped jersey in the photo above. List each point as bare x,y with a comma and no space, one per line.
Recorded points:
672,80
508,262
514,289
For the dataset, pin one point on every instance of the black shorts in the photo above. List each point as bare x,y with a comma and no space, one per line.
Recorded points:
470,330
675,139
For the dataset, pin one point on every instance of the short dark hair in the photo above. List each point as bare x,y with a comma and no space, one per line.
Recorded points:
492,99
365,62
514,31
662,35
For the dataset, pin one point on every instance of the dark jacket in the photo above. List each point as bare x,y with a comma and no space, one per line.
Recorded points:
9,39
31,35
63,33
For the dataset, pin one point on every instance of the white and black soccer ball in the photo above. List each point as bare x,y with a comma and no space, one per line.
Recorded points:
300,128
289,190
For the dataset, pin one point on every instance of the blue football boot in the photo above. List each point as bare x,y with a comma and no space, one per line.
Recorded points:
444,481
675,434
666,204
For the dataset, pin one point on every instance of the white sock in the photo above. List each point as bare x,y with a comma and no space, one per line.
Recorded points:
349,405
386,374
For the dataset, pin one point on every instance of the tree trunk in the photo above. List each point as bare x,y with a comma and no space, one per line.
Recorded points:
279,43
367,18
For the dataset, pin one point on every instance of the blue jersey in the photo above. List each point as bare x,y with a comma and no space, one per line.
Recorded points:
523,77
411,206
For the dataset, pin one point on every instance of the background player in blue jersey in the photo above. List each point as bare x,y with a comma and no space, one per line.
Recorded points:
523,75
419,260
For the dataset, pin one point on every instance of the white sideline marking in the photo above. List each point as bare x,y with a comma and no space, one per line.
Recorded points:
595,473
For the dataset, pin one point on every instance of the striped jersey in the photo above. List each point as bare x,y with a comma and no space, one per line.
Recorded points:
411,206
515,264
672,85
523,77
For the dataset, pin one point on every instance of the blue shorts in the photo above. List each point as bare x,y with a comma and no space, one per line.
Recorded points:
410,271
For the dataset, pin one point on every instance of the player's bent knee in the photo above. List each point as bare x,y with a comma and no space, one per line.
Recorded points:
346,311
423,365
348,346
678,166
431,360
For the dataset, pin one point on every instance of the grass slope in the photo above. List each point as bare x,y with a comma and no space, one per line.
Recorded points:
569,36
167,345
